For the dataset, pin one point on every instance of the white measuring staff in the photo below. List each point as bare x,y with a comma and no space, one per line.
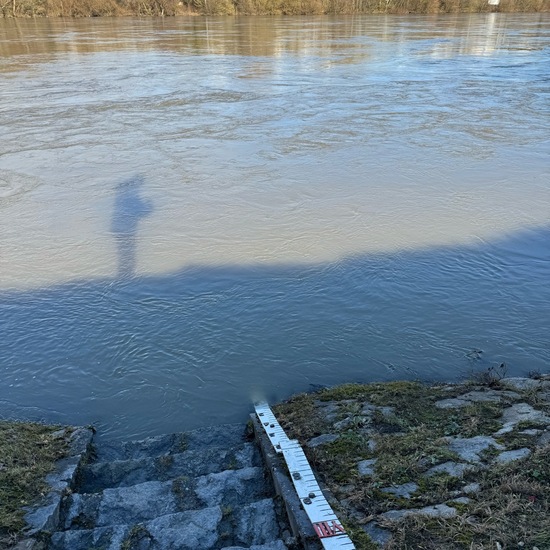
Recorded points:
325,522
272,428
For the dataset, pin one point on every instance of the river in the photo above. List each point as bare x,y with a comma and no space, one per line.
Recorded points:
197,212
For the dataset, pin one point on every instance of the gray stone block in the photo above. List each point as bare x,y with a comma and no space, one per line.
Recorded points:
544,439
274,545
366,467
256,523
106,538
123,473
471,488
225,435
511,456
469,449
322,440
461,500
191,530
533,432
80,511
437,511
522,384
476,396
137,503
377,534
523,412
403,491
451,403
454,469
232,487
45,515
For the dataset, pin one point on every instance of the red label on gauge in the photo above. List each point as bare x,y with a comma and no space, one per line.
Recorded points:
328,529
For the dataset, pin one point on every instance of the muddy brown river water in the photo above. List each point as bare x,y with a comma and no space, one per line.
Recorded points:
198,211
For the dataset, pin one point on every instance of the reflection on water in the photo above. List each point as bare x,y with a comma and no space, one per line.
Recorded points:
193,210
272,36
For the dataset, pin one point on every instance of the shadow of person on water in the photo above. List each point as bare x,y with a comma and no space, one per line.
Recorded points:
129,209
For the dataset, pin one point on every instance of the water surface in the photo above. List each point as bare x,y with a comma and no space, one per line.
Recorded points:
195,211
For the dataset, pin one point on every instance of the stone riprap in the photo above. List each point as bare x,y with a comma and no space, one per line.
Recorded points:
385,464
199,490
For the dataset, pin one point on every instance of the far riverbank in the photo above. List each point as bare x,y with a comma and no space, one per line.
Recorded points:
162,8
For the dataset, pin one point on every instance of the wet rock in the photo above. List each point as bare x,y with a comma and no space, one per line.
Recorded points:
377,534
510,456
471,488
470,448
366,467
322,440
403,491
454,469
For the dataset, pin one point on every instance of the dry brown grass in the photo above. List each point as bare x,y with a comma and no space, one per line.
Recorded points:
97,8
512,509
27,453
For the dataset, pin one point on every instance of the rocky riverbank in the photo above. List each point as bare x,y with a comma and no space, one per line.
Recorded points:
404,464
454,466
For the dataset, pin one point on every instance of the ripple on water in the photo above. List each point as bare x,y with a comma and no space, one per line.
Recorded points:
14,185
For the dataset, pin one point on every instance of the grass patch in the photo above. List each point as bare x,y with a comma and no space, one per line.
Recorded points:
338,460
28,452
512,508
361,540
298,417
402,459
